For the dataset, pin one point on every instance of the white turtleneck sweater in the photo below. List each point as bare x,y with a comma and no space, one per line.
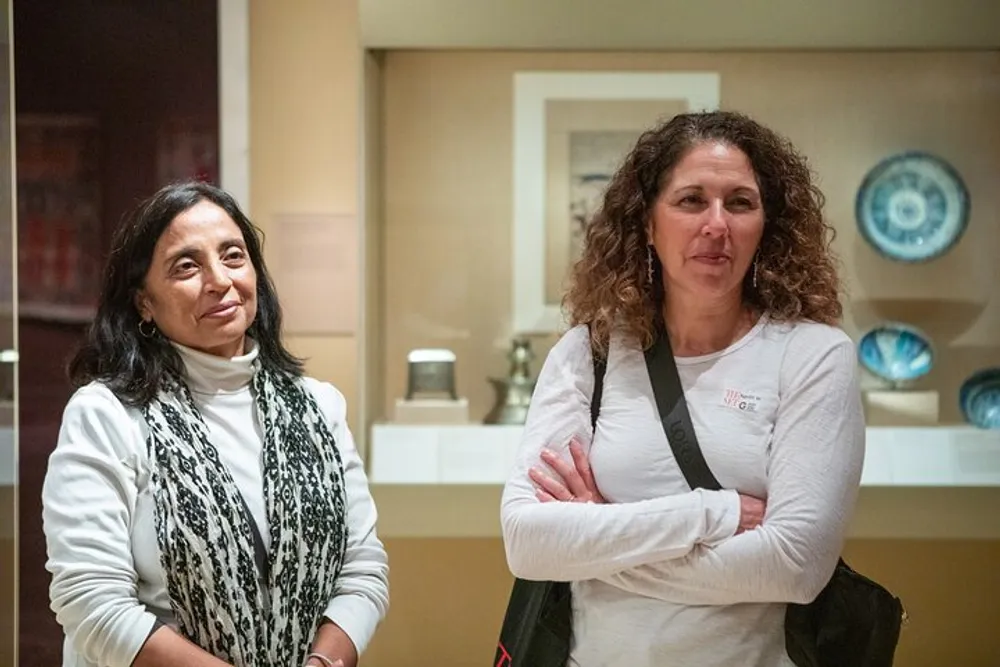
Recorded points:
108,587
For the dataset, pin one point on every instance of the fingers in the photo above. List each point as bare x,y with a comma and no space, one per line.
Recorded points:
752,511
545,497
582,465
567,471
552,487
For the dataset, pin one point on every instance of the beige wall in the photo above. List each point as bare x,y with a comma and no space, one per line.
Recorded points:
448,184
681,25
446,170
448,598
444,175
373,247
305,87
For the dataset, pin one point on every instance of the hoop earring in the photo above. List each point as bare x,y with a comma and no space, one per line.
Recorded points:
649,265
152,330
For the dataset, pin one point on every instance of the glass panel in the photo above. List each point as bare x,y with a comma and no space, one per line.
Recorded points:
8,353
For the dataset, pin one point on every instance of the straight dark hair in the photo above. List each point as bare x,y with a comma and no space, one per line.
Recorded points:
132,365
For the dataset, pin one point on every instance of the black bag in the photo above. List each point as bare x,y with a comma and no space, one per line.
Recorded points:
854,622
538,626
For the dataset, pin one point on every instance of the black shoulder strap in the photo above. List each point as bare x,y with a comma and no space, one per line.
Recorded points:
675,417
600,369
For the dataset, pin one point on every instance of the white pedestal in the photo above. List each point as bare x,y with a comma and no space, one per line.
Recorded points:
431,411
934,456
902,407
442,454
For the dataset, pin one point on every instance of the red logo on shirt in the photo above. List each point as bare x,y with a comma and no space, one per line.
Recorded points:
740,400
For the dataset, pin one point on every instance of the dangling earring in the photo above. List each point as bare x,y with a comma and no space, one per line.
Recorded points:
649,265
147,333
754,279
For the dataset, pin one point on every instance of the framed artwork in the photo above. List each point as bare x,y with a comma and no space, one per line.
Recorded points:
59,217
571,131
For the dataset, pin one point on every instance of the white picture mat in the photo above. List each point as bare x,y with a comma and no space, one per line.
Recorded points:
700,91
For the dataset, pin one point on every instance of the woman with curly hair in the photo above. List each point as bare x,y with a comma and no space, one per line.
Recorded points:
711,233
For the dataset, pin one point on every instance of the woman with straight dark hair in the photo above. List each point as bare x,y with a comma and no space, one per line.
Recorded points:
205,504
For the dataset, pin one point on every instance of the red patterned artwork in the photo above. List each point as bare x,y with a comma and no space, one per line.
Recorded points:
59,217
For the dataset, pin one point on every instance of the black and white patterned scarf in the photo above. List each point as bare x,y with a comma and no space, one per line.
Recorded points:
221,600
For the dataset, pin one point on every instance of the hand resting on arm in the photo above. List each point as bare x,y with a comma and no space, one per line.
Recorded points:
575,483
576,541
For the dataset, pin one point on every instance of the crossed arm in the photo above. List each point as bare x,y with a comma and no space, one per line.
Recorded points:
670,548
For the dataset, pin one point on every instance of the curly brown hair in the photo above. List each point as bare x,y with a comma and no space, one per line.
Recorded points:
796,268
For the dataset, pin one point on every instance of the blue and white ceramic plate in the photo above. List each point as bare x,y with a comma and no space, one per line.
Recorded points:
912,207
979,398
896,352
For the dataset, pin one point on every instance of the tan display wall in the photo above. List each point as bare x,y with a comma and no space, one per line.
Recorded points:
442,240
305,101
446,196
448,598
448,191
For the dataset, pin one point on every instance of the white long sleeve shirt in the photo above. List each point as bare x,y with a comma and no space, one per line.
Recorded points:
659,575
108,586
